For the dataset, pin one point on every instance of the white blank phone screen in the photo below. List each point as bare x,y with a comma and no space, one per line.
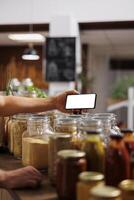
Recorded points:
80,101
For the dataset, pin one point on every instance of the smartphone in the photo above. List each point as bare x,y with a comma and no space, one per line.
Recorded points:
81,101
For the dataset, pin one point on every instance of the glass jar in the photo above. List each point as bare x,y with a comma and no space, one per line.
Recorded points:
54,115
35,142
76,117
65,125
104,193
89,115
2,127
50,114
109,125
106,130
76,139
128,138
69,164
129,143
9,136
57,142
88,180
106,115
19,125
2,131
7,121
114,123
127,188
117,161
92,144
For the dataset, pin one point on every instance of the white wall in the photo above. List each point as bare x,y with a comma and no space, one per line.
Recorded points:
41,11
98,65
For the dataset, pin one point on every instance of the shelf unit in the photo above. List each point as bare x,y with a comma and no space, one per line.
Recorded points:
129,104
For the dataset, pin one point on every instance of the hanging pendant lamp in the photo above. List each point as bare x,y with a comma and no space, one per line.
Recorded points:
30,53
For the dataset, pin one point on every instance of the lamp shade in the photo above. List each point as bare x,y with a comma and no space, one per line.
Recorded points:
30,54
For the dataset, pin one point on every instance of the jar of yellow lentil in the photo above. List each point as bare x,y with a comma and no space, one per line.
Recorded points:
35,142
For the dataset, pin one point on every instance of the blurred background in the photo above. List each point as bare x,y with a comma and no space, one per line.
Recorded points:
103,60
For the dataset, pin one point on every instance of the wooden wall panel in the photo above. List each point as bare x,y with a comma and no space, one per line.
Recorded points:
11,65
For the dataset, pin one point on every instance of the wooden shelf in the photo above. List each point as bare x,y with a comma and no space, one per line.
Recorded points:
117,105
129,104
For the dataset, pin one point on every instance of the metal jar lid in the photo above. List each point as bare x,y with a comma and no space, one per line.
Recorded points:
90,125
105,192
38,119
22,116
71,154
75,117
127,185
88,176
65,121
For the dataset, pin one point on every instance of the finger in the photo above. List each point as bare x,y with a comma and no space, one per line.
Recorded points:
77,111
68,111
31,169
37,172
72,92
85,111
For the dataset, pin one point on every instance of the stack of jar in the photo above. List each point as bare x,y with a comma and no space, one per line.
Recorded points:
91,187
77,143
116,155
85,137
117,166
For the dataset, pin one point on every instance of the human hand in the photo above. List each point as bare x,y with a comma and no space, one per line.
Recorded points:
20,178
60,100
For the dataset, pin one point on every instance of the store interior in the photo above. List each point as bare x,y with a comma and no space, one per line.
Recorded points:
98,48
49,47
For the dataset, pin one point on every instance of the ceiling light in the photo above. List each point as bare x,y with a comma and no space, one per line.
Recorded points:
30,54
27,37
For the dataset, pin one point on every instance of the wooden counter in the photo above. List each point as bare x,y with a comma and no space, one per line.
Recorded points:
45,192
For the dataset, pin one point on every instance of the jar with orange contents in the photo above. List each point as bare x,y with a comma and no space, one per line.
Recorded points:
129,143
116,161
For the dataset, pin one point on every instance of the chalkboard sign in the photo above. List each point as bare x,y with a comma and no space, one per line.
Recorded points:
60,59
